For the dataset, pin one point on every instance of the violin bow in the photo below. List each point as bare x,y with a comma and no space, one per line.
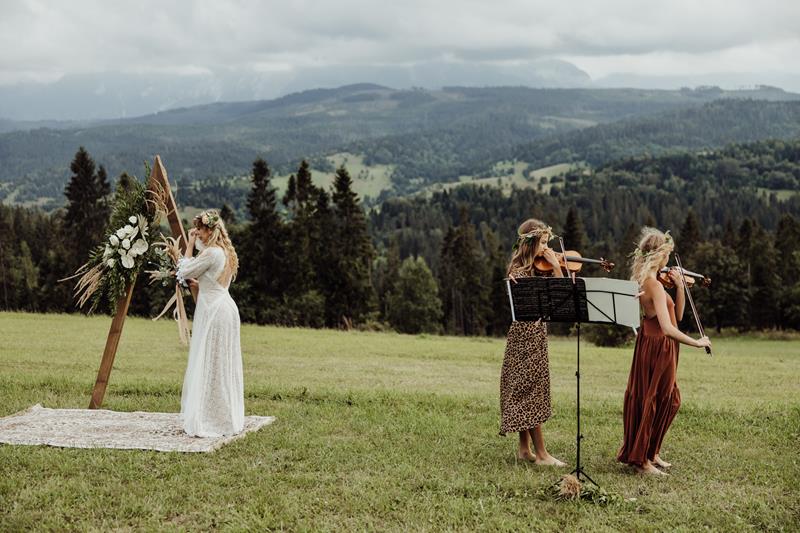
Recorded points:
570,275
691,302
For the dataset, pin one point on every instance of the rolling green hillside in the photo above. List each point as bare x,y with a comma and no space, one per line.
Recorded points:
709,126
425,136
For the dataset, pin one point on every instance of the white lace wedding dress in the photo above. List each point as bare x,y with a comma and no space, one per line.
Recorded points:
212,402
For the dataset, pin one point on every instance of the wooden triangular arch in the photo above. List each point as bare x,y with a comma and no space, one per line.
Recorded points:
157,182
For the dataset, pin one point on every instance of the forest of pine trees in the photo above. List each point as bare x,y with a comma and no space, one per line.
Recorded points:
436,264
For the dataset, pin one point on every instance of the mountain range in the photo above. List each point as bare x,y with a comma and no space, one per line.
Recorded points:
417,137
110,95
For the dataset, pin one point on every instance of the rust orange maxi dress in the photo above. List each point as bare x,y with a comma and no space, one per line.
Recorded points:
652,397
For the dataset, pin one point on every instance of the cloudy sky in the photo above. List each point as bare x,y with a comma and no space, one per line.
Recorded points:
757,41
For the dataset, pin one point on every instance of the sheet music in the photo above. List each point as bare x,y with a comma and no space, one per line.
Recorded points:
613,301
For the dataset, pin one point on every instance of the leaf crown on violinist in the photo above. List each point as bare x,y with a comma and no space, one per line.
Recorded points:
531,236
651,253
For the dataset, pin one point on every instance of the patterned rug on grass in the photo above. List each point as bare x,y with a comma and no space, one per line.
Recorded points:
99,428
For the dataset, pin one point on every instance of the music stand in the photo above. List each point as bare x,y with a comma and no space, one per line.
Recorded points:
578,300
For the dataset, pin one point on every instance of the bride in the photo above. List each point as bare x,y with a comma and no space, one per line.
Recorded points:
212,402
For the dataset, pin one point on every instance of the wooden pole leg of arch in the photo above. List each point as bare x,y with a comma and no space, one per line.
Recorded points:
112,342
157,181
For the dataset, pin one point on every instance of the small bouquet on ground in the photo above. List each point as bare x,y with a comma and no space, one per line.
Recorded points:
569,488
167,253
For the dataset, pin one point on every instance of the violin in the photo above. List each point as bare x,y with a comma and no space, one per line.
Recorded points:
689,278
571,261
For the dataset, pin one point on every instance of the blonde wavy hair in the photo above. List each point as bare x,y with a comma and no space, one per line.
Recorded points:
532,235
211,220
651,254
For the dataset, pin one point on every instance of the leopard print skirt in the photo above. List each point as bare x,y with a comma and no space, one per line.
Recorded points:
525,378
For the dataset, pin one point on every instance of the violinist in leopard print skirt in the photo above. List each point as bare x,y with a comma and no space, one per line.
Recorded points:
525,377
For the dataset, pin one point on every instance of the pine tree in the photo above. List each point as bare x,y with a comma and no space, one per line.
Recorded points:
290,196
385,271
413,303
447,279
627,244
300,200
262,257
325,257
228,215
8,239
498,263
787,244
87,206
689,237
574,235
723,303
125,181
465,276
353,253
765,283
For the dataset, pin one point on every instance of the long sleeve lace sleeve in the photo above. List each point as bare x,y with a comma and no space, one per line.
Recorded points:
194,267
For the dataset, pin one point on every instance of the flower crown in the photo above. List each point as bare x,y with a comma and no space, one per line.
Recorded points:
529,237
668,244
209,219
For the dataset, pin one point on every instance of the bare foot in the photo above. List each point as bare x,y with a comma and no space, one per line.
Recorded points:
549,460
660,462
525,455
649,469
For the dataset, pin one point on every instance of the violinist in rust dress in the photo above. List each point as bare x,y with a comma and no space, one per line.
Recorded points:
652,397
525,377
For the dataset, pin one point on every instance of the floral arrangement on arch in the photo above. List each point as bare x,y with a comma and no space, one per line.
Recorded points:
116,262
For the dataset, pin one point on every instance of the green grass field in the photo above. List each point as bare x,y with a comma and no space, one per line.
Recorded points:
385,431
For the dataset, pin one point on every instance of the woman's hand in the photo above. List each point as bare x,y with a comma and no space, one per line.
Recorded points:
189,252
192,284
551,257
676,277
703,342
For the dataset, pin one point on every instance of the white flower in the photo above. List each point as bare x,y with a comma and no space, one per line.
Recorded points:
114,240
142,226
127,260
126,243
111,262
107,252
139,247
128,229
121,233
132,220
133,233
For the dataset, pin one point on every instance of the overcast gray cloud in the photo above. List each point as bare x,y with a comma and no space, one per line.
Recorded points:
46,39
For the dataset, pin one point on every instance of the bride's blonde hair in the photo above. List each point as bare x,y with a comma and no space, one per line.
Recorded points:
211,220
531,236
651,254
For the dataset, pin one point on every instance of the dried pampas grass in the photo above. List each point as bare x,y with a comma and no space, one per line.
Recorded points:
570,488
88,283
